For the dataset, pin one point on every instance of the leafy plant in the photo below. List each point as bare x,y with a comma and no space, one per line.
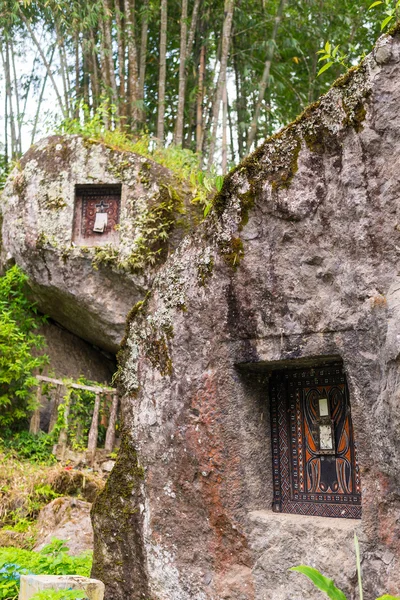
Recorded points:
37,448
52,560
80,405
60,595
391,11
182,162
19,347
332,55
327,585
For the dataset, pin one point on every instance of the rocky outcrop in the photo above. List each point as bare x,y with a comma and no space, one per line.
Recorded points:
66,519
88,279
298,260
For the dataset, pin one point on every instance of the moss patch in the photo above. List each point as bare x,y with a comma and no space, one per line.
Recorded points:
234,252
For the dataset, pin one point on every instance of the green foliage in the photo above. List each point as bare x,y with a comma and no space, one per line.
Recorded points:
321,582
182,162
328,587
37,448
80,405
52,560
332,55
60,595
19,347
392,11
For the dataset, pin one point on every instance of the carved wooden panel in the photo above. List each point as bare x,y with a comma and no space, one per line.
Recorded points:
315,464
97,214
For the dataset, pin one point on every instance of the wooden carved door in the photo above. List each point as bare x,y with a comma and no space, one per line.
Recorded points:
315,464
97,215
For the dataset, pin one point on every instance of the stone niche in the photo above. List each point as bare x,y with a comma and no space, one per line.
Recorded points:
296,267
75,218
97,214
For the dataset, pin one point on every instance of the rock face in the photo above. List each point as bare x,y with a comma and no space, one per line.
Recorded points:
66,519
86,273
298,261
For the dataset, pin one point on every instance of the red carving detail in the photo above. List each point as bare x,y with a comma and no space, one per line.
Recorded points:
307,481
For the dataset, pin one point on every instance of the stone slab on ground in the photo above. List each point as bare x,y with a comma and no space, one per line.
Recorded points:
280,541
32,584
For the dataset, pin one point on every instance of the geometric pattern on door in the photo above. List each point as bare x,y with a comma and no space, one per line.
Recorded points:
310,479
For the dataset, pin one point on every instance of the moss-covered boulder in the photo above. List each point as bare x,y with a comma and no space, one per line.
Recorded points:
298,264
86,270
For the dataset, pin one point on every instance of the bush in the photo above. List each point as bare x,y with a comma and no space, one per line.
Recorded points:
52,560
37,448
18,345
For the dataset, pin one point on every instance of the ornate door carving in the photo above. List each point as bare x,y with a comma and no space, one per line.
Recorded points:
97,214
315,464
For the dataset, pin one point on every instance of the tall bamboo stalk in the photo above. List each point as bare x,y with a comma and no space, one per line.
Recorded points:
133,74
162,72
45,62
143,58
200,92
265,76
226,40
178,137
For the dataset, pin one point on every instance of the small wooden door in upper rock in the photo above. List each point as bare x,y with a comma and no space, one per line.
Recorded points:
315,465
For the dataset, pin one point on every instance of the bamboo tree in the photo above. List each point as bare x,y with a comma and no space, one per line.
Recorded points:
18,148
45,62
39,104
162,72
133,75
107,54
200,93
265,76
120,21
143,58
182,64
226,41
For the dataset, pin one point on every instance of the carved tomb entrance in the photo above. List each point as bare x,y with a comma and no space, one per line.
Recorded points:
97,214
315,468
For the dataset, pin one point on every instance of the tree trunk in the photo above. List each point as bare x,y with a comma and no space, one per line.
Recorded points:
39,104
78,87
45,62
231,131
7,74
162,72
178,137
133,78
239,108
120,21
143,58
108,55
18,147
85,73
200,92
265,77
226,40
94,74
63,68
224,131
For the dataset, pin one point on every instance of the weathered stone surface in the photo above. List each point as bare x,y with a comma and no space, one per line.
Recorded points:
66,519
31,584
281,541
298,260
70,356
89,289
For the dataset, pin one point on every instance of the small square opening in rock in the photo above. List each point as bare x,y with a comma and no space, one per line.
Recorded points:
96,215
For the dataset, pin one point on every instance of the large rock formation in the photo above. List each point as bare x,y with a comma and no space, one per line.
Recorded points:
84,277
297,264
